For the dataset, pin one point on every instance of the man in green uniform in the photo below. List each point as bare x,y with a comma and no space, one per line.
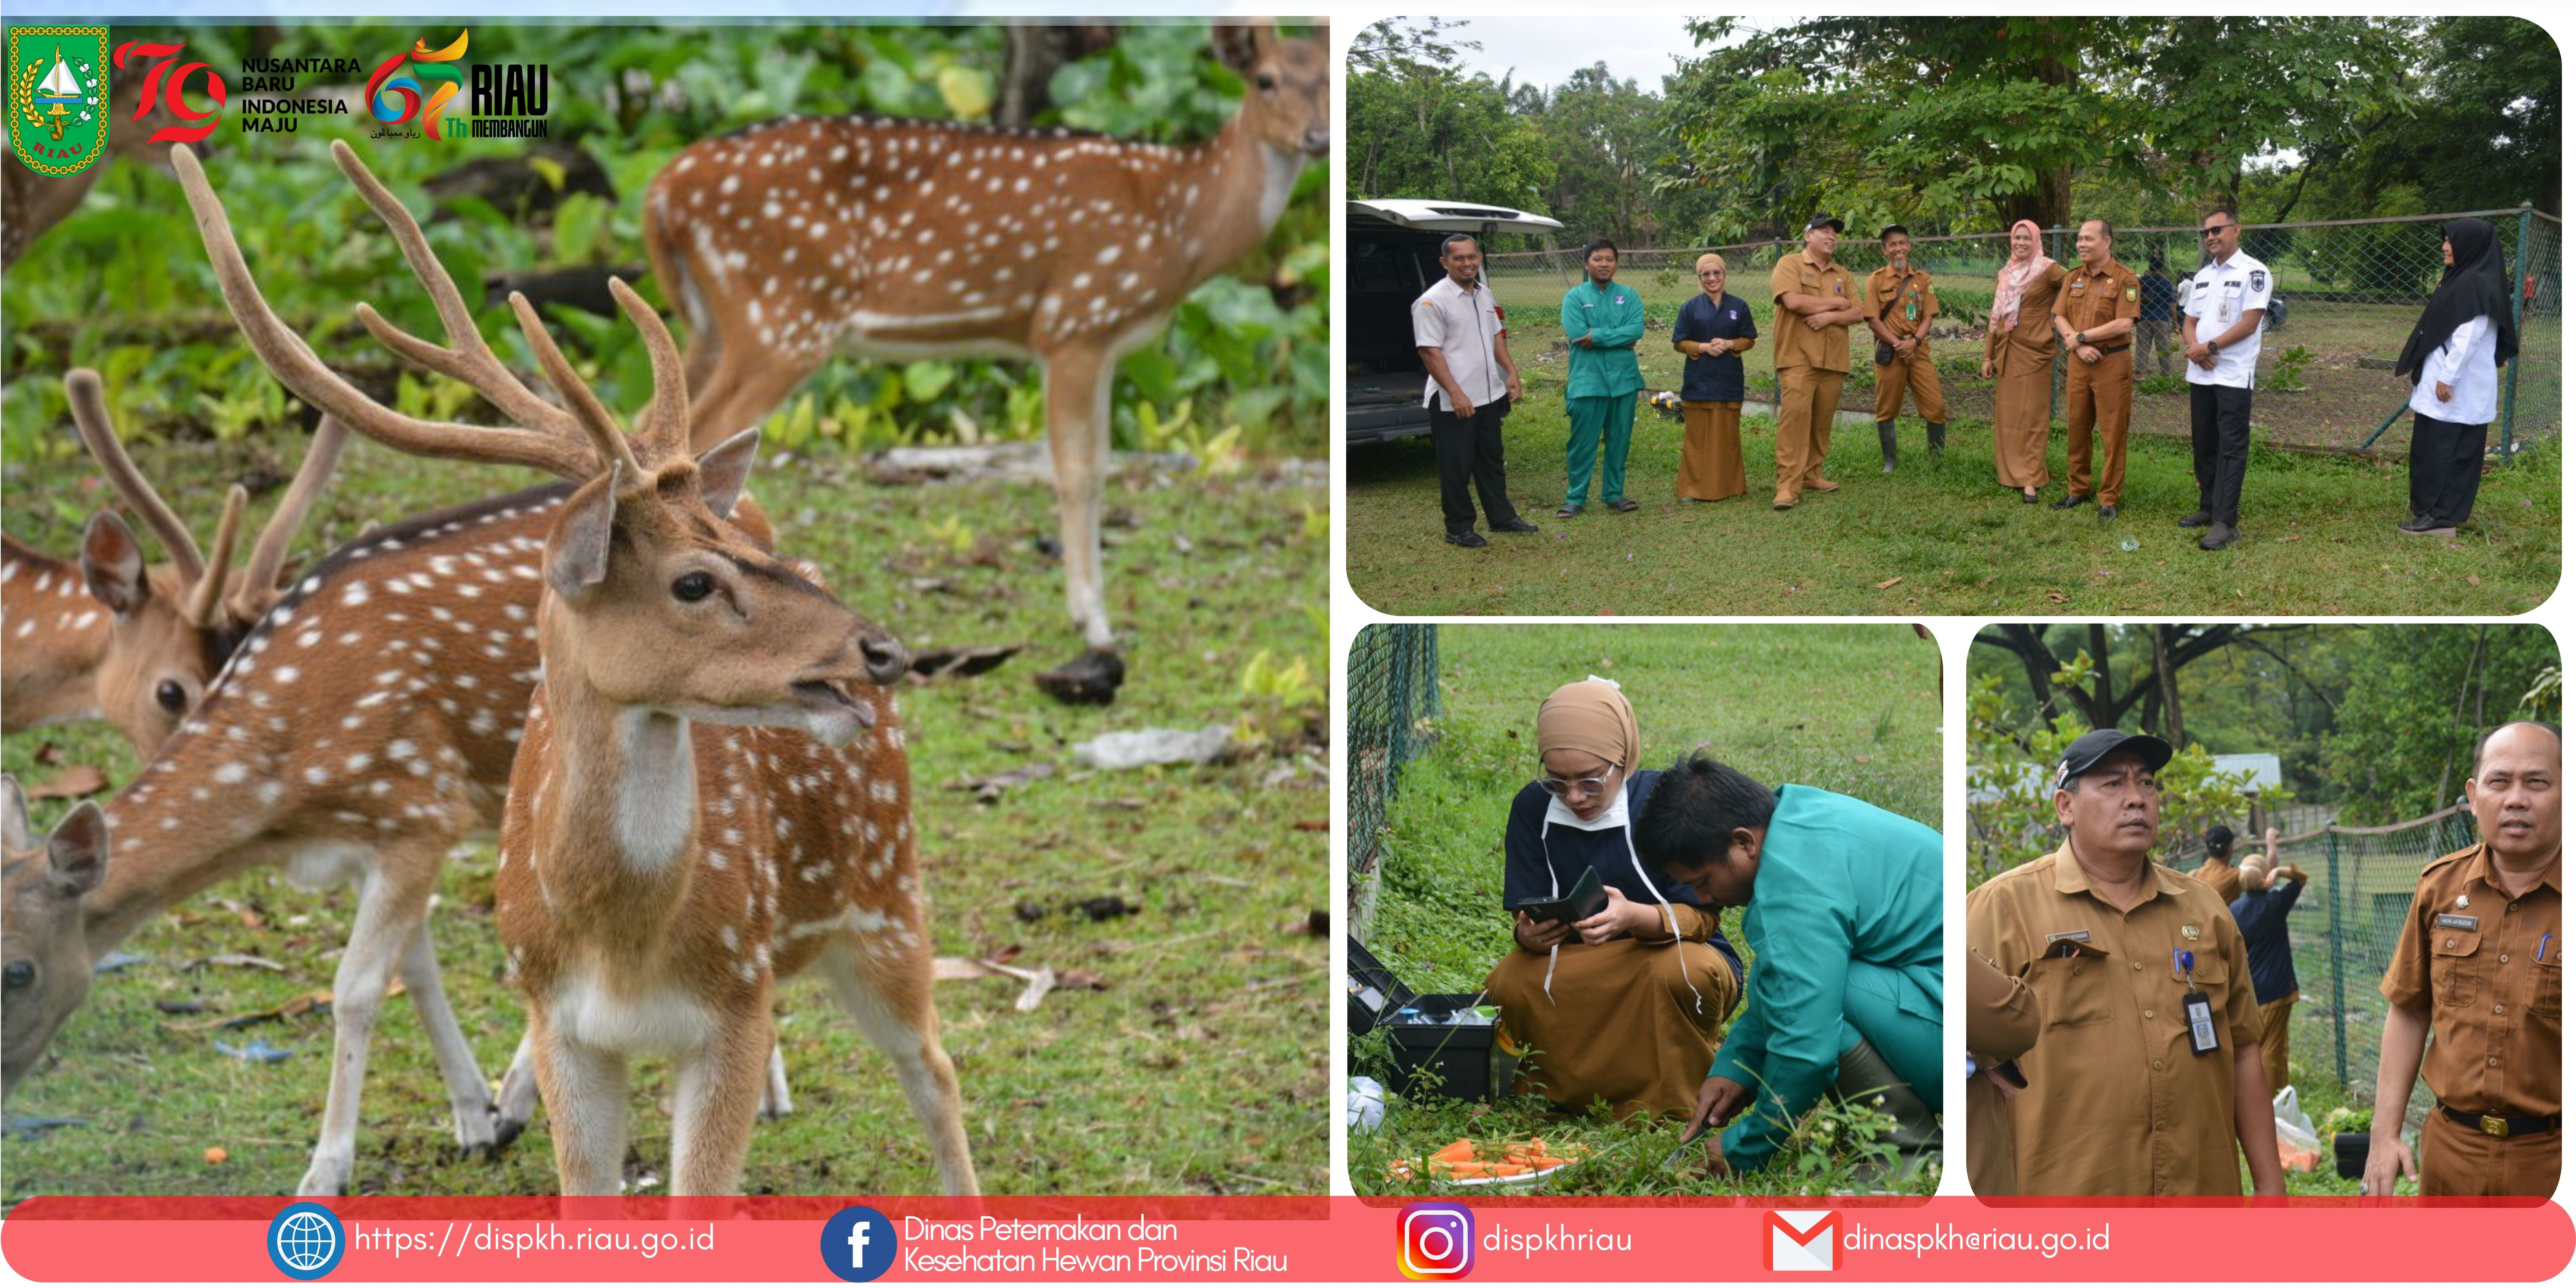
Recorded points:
1603,322
1843,910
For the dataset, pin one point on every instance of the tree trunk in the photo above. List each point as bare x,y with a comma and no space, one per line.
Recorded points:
2097,703
2166,688
1031,55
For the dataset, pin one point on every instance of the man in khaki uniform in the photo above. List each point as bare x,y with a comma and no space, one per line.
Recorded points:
2097,309
1899,307
2477,967
2147,1074
1814,304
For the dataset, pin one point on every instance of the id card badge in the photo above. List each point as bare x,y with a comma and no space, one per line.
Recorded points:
2204,1033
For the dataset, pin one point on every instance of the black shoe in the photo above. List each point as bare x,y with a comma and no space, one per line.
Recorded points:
1513,524
1936,436
2219,537
2030,498
2070,500
1468,539
2195,519
2428,526
2108,512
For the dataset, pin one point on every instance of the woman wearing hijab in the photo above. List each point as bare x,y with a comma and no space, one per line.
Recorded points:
1712,329
2466,332
2022,345
1625,1005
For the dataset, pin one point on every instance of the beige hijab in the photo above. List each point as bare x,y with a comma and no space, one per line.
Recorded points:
1589,716
2015,277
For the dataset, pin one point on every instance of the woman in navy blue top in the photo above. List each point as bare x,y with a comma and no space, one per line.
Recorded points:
2263,917
1713,328
1616,1005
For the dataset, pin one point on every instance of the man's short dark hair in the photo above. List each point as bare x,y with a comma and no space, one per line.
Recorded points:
2215,211
2218,841
2155,261
1894,230
1600,243
2478,758
1452,240
1695,807
2107,234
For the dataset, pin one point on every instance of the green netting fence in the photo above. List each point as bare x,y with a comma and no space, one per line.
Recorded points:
2344,930
2348,292
1394,695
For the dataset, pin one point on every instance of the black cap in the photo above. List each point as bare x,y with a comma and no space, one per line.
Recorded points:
1883,233
2088,751
2217,839
1822,220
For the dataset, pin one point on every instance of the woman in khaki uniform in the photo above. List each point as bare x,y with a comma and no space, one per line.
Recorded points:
2021,343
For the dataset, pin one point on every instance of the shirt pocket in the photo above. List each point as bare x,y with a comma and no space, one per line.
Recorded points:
2074,991
2545,988
2459,968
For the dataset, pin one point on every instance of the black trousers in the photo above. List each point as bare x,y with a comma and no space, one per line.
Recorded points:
2442,468
2222,430
1471,450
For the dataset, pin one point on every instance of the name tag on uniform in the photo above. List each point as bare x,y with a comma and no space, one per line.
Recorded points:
2455,921
2078,288
2204,1033
1618,299
2071,937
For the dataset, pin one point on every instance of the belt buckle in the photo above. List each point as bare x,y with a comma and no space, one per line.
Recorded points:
2494,1126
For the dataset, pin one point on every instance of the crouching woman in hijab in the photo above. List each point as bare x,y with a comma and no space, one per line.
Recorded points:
1624,1005
2466,333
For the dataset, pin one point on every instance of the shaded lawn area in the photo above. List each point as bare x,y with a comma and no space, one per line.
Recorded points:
1941,537
1210,1001
1854,709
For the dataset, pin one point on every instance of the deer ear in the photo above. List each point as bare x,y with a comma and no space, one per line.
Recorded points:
1238,44
577,555
17,833
112,564
79,849
723,468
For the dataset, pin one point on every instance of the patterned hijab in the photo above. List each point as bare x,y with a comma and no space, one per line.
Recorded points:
2015,277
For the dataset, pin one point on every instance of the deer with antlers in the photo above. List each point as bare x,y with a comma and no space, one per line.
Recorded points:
786,243
107,636
712,790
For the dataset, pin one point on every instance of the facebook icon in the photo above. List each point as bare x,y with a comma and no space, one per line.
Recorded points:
859,1244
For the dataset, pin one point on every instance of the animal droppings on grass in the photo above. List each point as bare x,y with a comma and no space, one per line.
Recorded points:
2473,579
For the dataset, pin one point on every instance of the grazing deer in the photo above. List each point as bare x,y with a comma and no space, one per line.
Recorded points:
110,637
45,879
659,871
788,242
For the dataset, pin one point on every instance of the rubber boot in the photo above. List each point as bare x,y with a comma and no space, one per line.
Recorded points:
1866,1077
1935,434
1887,447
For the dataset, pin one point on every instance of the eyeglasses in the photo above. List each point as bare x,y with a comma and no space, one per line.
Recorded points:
1558,787
2215,229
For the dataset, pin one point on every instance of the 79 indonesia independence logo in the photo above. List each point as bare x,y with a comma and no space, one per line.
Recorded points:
58,97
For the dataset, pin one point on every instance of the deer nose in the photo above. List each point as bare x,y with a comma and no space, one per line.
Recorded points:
1319,140
886,658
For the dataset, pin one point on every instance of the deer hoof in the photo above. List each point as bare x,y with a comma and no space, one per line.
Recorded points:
1093,677
504,1131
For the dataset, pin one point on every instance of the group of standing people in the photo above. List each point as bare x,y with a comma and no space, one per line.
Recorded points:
2104,316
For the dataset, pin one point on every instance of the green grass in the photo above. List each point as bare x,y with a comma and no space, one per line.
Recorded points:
1855,709
2319,536
1212,1002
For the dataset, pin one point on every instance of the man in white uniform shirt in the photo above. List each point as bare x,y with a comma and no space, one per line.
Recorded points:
2222,332
1458,330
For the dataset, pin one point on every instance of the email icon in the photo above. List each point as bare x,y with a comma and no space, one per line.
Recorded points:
1802,1241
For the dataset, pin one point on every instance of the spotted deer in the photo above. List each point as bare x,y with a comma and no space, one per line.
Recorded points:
712,792
107,636
788,242
42,880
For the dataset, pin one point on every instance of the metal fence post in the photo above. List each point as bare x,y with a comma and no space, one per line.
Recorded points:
2334,955
2513,369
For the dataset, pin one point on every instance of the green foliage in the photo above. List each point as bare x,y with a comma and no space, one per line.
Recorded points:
2287,366
1420,126
2402,744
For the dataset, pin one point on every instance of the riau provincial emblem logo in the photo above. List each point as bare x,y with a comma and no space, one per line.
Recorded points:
58,97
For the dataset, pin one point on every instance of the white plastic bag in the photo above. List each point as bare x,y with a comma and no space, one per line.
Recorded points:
2297,1134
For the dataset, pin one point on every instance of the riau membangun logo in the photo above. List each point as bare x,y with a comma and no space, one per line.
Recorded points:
58,97
399,100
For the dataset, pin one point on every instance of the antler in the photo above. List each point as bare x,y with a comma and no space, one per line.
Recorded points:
551,441
98,433
259,586
203,608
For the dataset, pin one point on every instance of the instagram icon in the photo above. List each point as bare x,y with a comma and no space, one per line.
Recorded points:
1435,1241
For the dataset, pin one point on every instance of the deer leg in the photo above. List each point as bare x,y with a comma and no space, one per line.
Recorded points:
715,1099
518,1099
773,1100
1077,401
467,1094
387,917
585,1092
889,996
748,384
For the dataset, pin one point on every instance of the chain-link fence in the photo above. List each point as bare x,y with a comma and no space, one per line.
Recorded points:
2344,930
2347,293
1394,695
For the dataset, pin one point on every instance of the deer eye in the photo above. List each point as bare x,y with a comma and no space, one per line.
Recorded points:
1266,81
692,587
172,697
20,973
